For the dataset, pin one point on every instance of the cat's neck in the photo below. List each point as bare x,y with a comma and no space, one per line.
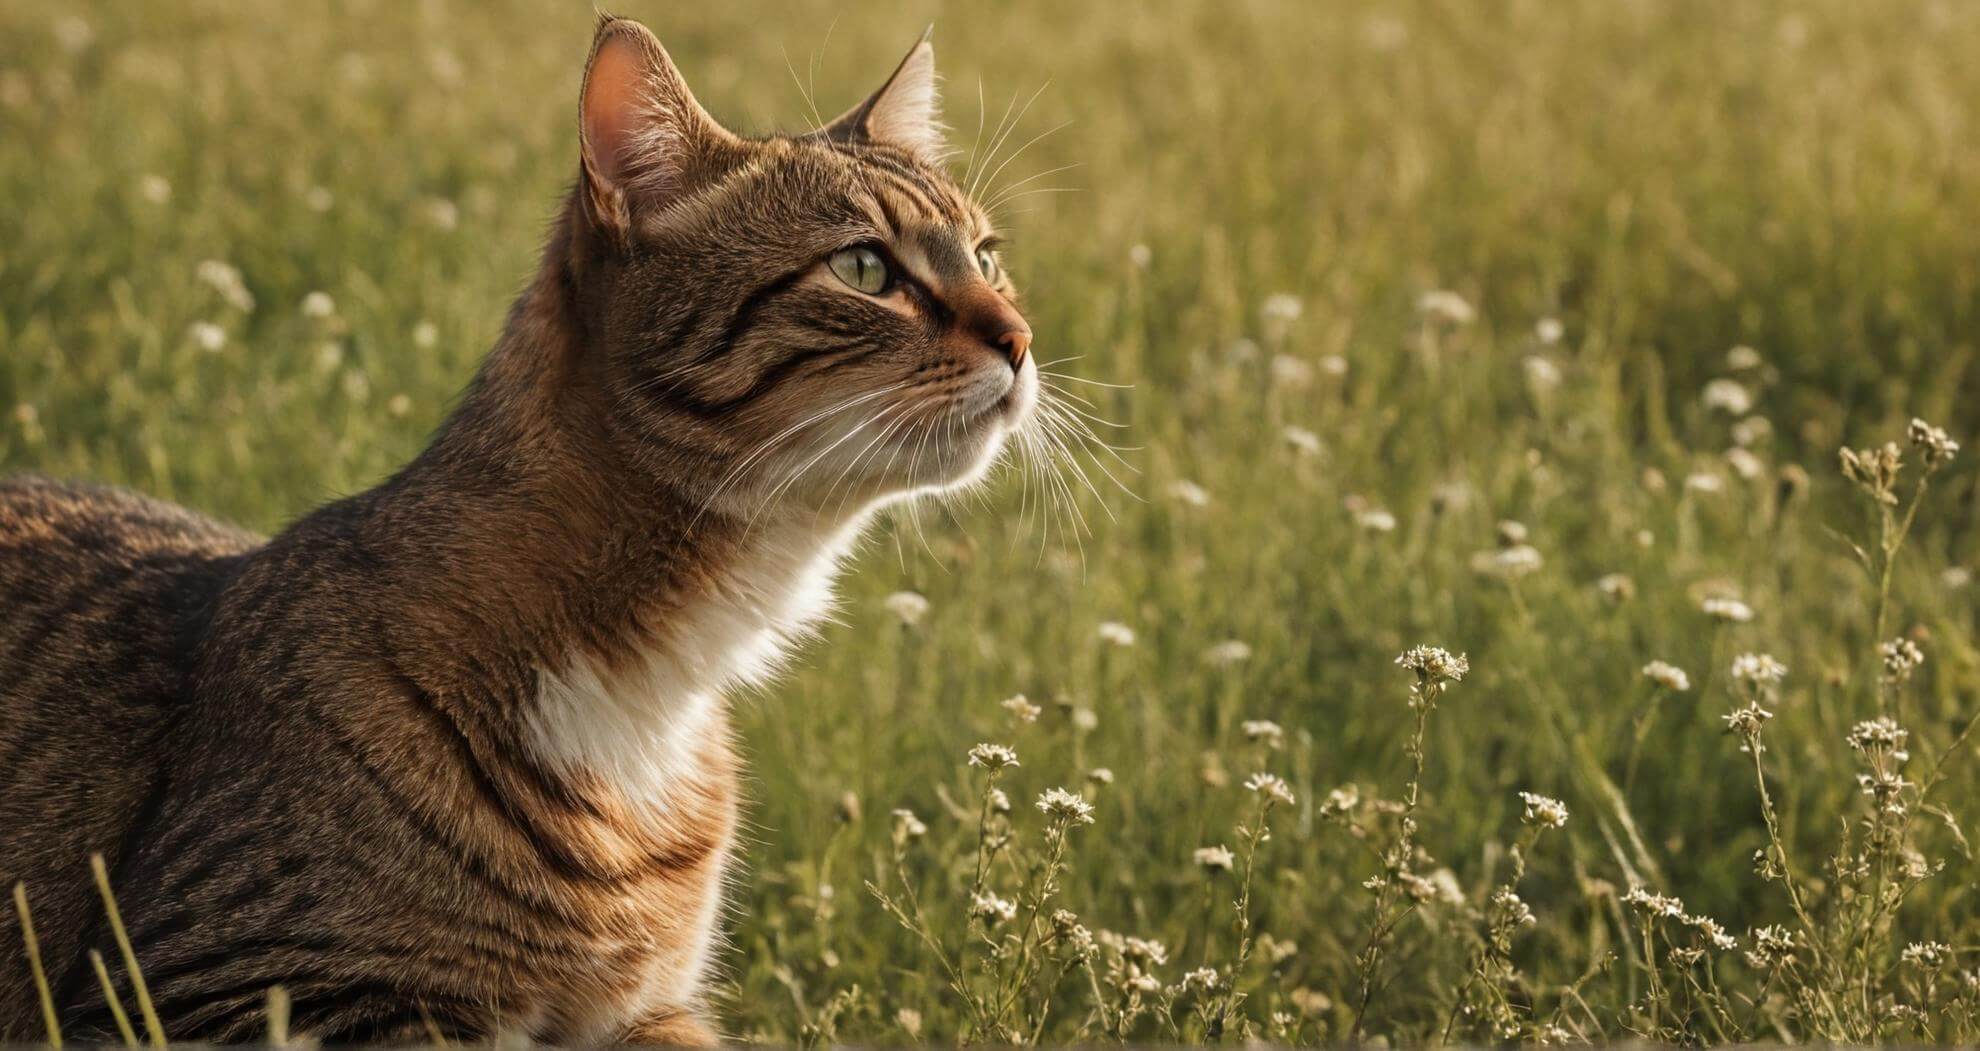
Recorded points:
632,604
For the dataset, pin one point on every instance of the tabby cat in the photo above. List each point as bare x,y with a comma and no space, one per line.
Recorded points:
451,754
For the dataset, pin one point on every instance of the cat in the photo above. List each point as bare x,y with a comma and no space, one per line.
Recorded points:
451,755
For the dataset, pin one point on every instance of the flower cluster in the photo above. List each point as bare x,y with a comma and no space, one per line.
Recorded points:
1937,446
1543,811
992,757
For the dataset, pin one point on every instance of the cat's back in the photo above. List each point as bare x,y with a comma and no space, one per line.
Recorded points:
103,596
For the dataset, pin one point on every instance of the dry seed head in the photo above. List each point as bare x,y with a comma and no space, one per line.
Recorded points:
1875,471
1745,722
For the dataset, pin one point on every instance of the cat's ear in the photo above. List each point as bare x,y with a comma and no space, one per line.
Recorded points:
642,136
904,112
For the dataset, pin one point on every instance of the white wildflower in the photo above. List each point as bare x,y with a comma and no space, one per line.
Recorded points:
908,605
226,280
1435,664
1228,652
154,188
1215,859
992,909
207,336
1742,358
1264,731
1140,255
1114,633
1541,372
1901,657
426,335
1305,442
1021,708
1752,431
1190,493
1926,955
1543,811
318,305
1444,305
1730,610
1549,330
1375,520
1061,805
1669,676
1271,786
1728,396
1760,669
1744,463
1281,308
1659,906
907,826
1937,444
992,757
1703,482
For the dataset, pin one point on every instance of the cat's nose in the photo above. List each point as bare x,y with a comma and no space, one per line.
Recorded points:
1002,329
1016,343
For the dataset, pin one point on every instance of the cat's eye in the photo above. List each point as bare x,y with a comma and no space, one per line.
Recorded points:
863,269
986,261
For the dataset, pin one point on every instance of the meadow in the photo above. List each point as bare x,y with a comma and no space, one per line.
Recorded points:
1529,331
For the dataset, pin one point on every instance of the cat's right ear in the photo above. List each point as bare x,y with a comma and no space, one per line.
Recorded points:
642,136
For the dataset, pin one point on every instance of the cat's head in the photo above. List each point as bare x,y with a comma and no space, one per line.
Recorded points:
792,319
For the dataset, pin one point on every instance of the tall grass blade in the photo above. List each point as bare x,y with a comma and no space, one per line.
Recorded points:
34,964
138,989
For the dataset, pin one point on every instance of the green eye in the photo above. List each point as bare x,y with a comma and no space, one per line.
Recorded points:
863,269
986,261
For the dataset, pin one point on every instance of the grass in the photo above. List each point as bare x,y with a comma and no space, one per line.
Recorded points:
1262,194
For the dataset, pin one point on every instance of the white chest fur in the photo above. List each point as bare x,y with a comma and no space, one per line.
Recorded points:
640,728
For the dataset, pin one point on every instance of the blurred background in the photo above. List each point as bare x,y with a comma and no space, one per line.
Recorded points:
1373,277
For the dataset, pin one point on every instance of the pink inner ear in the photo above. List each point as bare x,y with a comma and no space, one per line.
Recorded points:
613,97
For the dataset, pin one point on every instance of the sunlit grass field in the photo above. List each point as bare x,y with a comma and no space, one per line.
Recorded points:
1423,318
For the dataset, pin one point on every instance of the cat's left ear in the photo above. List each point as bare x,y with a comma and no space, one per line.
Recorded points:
645,141
904,112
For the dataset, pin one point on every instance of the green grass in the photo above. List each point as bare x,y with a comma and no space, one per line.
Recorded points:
1668,180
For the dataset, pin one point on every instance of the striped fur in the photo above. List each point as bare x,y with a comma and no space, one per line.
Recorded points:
453,753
